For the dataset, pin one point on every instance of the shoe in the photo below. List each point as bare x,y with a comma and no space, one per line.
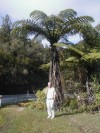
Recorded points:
52,117
49,117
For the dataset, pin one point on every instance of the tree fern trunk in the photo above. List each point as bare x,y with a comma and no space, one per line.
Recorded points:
90,93
54,73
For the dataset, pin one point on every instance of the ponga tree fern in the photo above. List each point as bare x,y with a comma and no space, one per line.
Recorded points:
53,28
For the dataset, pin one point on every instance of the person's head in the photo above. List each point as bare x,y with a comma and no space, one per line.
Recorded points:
49,84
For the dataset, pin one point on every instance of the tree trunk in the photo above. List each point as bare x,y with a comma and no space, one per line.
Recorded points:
90,93
54,73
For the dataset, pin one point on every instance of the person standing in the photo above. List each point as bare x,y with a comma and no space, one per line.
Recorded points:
51,95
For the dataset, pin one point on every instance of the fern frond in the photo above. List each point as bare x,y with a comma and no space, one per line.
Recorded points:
91,56
72,59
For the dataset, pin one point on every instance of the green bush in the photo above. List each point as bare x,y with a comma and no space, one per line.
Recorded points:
24,104
97,97
32,105
40,103
66,103
73,104
40,95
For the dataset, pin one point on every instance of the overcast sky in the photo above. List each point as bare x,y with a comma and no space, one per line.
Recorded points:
21,9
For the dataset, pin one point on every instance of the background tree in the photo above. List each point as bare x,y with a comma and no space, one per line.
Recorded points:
85,55
5,30
98,27
20,61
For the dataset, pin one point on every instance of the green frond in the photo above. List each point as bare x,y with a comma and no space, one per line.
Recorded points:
62,45
53,28
91,56
64,65
67,14
72,59
31,28
37,15
85,19
75,24
72,49
75,50
45,66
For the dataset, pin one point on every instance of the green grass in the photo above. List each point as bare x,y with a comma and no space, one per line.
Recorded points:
15,120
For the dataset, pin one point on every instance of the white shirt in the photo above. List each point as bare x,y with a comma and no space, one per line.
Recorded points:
51,93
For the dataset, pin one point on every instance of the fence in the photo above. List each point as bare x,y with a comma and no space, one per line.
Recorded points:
13,99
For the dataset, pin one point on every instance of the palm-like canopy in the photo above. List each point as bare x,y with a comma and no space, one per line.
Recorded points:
54,29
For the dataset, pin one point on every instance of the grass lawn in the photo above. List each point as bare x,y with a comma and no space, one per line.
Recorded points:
14,119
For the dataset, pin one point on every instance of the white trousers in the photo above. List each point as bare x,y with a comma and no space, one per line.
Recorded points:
50,107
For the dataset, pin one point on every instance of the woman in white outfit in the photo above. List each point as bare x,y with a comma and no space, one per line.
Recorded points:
51,94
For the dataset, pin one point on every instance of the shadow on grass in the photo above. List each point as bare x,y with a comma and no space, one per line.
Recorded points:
68,113
62,114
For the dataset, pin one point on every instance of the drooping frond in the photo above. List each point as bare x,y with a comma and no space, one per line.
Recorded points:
67,14
62,45
53,28
73,50
91,56
74,25
31,28
45,66
38,17
72,59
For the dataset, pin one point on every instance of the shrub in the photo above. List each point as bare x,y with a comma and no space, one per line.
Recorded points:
97,98
40,95
32,105
66,103
40,104
24,104
73,104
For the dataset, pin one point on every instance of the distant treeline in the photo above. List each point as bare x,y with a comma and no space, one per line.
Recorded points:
20,61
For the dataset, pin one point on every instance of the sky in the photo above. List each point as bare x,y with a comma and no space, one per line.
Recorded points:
21,9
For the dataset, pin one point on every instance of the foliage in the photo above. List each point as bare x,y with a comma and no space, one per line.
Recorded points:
52,28
5,30
91,57
20,59
24,104
39,104
73,104
45,67
82,59
95,86
97,97
98,27
41,95
91,36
